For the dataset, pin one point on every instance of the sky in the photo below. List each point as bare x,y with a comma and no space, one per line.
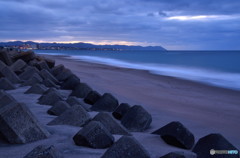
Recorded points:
172,24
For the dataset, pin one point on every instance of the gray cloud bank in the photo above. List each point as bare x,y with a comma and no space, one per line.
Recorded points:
173,24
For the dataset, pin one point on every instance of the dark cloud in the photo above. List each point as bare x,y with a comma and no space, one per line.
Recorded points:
149,22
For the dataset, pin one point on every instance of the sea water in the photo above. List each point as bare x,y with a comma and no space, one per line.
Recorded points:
218,68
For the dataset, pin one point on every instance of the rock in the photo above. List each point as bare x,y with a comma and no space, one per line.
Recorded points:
137,119
94,135
36,89
28,73
70,83
5,84
111,124
179,155
177,135
106,103
42,65
33,62
19,126
92,97
66,73
2,65
50,83
47,75
81,90
75,116
57,69
50,62
214,141
6,99
2,92
10,75
43,151
5,57
36,78
50,98
52,89
121,110
74,100
25,56
58,108
126,147
19,65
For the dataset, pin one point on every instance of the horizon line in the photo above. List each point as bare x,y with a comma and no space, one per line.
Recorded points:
123,43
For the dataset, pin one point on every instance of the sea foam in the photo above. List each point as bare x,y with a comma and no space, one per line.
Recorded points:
216,78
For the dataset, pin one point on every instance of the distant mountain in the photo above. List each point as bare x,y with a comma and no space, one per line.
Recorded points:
78,46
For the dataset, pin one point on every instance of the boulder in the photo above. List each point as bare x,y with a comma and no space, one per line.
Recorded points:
111,124
81,90
18,65
179,155
39,58
6,99
57,69
92,97
2,92
43,151
33,62
70,83
74,100
94,135
25,56
50,83
50,98
177,135
28,73
19,126
66,73
5,84
52,89
58,108
36,89
126,147
137,119
10,75
121,110
47,75
36,78
214,141
2,65
5,57
106,103
50,62
42,65
75,116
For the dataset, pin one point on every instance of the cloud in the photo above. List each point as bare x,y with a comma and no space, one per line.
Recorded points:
175,24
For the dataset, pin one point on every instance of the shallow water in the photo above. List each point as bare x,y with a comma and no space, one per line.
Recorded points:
219,68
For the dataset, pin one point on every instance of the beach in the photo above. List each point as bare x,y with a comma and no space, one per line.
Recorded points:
202,108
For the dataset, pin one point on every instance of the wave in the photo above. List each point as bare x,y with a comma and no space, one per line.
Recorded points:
215,78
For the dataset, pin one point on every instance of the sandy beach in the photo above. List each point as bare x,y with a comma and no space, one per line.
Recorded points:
202,108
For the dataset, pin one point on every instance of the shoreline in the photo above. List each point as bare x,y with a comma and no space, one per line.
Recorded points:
152,75
202,108
209,76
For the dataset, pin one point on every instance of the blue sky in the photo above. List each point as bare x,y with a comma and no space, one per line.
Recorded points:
173,24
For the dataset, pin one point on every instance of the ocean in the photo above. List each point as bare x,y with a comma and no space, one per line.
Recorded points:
217,68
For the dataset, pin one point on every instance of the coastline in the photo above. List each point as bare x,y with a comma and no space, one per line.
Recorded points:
202,108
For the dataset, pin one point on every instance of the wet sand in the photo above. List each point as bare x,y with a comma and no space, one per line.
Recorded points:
202,108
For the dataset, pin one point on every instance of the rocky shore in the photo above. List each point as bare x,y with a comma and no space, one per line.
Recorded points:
46,110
